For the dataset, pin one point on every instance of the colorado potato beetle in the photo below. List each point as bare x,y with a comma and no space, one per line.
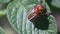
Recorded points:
38,16
36,12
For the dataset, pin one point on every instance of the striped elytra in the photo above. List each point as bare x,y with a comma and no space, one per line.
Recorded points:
36,12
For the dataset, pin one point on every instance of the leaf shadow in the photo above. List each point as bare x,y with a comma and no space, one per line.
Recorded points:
41,22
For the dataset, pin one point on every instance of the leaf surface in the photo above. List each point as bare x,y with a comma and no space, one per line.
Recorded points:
17,16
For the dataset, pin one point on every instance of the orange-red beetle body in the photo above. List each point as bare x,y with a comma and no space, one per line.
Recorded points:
37,11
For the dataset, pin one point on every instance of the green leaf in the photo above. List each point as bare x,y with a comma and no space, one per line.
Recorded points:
3,12
1,31
56,3
55,6
17,16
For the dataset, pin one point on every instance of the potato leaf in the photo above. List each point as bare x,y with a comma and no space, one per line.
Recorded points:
17,16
